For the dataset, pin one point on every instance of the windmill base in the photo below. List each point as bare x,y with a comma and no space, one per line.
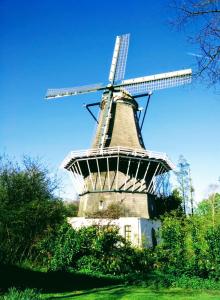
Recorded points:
141,232
134,204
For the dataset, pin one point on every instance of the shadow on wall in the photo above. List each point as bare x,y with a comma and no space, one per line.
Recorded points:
151,206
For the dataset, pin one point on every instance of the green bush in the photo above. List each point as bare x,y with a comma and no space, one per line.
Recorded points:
170,254
213,252
189,246
187,282
28,294
94,249
65,248
28,209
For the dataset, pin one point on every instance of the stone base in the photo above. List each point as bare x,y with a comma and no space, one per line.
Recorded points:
141,232
133,204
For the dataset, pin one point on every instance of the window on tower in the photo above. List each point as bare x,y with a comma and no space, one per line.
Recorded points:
128,232
101,205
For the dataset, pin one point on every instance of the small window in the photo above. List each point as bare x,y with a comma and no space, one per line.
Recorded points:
101,205
128,232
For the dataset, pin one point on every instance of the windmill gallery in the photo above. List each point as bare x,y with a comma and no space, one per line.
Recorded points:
118,169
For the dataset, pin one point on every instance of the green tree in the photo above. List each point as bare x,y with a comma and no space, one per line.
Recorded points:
213,252
72,208
190,246
184,183
210,208
169,204
28,208
171,254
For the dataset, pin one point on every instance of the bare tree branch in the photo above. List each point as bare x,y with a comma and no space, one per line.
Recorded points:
203,19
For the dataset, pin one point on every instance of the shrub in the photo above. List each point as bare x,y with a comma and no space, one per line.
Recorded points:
213,254
96,249
28,294
194,282
189,246
28,209
113,211
170,254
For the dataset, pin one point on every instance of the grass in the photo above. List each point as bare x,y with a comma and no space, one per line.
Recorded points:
71,285
136,293
51,282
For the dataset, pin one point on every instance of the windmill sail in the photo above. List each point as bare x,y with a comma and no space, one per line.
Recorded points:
56,93
156,82
119,58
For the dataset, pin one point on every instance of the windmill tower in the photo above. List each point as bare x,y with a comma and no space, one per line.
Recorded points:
118,168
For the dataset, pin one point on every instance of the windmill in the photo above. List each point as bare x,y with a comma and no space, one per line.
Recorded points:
118,168
137,87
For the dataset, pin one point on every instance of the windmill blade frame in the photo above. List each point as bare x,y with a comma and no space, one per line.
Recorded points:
156,82
73,91
119,59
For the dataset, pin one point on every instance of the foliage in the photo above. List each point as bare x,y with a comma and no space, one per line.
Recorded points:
27,294
72,284
205,207
213,242
183,179
183,281
204,16
169,204
96,249
190,246
71,208
171,252
33,228
28,208
113,211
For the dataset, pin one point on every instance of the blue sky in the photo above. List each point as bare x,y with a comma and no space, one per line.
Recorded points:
52,44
